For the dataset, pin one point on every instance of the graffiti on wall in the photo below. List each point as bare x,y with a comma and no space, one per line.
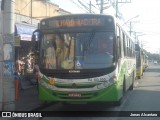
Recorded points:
8,68
7,49
8,46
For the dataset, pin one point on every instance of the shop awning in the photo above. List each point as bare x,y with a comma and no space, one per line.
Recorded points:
24,31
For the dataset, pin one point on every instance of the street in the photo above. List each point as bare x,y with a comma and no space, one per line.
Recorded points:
146,96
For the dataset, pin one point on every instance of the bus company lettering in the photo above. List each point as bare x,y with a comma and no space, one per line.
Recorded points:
78,22
99,79
34,115
15,114
74,71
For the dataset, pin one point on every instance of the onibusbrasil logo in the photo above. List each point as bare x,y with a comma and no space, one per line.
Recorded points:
21,114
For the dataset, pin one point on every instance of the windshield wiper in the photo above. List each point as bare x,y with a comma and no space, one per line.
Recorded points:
89,41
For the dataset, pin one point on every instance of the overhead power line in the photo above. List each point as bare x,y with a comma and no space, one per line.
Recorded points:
26,5
103,4
88,4
79,6
83,5
86,7
84,1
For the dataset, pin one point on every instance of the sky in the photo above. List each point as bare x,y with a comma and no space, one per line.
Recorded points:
143,14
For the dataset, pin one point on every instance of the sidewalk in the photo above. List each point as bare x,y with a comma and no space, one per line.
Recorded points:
27,81
28,99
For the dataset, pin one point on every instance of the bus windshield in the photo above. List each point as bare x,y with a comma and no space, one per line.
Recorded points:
78,50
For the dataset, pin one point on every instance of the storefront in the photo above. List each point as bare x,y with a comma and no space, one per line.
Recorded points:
24,56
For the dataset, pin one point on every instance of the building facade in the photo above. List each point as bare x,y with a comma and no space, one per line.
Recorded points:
31,11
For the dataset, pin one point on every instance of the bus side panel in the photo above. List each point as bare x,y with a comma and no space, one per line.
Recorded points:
127,73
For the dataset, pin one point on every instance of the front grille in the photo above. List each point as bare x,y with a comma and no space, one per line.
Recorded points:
82,74
73,75
66,75
75,86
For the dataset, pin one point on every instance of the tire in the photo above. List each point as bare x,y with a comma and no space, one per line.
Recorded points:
131,87
133,78
142,72
118,103
37,87
124,86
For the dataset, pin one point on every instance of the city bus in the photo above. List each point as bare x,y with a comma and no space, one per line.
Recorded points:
139,61
83,58
145,61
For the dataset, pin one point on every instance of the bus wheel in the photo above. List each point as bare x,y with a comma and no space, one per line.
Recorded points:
139,77
142,72
133,78
37,87
118,103
124,86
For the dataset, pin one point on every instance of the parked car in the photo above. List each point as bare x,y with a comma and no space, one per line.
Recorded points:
155,62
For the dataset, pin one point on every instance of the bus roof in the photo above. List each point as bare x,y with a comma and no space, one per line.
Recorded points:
60,16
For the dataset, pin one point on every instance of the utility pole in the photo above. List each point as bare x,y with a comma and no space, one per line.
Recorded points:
130,32
86,7
31,11
7,88
130,23
101,3
101,8
90,6
116,8
116,3
130,26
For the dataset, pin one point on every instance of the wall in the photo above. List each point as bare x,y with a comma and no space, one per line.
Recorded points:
40,8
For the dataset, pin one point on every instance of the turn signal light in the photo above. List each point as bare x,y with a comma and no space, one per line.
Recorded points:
51,81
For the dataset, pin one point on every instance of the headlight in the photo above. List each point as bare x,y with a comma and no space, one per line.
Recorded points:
100,86
107,83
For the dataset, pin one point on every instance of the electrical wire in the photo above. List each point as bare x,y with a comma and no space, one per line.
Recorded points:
84,1
97,4
87,8
25,6
78,5
83,5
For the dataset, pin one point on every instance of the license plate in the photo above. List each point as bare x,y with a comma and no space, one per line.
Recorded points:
74,95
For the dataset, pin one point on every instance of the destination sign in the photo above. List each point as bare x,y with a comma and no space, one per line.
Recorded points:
77,21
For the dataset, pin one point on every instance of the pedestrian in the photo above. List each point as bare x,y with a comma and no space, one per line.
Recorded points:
18,75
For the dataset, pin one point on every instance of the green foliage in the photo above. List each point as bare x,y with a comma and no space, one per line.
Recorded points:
153,56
